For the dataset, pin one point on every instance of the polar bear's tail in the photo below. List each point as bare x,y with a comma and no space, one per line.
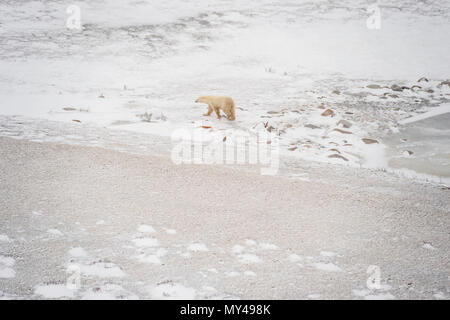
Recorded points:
232,112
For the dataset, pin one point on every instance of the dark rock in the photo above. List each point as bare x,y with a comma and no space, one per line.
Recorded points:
345,123
369,141
342,131
337,156
327,113
311,126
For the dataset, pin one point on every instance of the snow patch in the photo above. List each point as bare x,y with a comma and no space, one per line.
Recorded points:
197,247
54,291
330,267
144,228
54,232
146,242
4,238
77,252
249,258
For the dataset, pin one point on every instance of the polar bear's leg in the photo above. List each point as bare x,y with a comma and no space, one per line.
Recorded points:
217,110
210,110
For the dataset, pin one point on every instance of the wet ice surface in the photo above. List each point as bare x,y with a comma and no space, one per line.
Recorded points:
284,63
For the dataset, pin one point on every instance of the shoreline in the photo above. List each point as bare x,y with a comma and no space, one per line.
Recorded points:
137,226
81,134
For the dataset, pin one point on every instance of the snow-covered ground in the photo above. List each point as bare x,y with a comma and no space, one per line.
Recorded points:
139,66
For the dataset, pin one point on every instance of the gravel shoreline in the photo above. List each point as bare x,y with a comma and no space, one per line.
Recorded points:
216,232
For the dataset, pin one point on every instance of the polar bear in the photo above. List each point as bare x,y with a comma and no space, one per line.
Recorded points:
216,103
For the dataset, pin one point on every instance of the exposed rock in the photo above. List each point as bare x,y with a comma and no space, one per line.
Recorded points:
405,88
292,149
348,112
321,106
311,126
145,117
327,113
345,123
337,156
396,87
416,86
430,91
347,145
447,82
335,150
422,79
342,131
336,92
69,109
307,146
407,153
393,96
369,141
273,112
374,86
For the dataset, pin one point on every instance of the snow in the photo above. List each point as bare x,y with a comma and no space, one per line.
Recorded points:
7,273
54,232
248,258
328,266
4,238
295,257
268,246
146,242
77,252
197,247
166,55
146,229
54,291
